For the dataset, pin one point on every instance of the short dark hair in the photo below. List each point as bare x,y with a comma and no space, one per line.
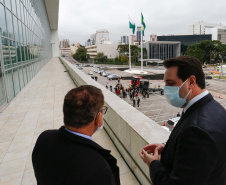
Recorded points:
81,105
187,66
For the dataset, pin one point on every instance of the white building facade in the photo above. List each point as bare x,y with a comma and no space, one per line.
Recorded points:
102,36
109,50
218,31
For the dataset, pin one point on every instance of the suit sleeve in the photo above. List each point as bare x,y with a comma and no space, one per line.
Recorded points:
195,157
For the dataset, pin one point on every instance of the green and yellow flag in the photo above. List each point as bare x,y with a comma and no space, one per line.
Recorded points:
143,23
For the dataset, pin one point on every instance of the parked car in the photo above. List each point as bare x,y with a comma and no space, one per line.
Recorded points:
171,123
113,77
80,68
104,74
90,73
208,77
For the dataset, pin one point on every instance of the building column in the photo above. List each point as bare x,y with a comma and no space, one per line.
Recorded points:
55,43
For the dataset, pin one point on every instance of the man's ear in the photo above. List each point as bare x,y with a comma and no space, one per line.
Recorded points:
192,81
97,118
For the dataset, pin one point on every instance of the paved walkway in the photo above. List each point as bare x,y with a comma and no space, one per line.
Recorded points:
38,107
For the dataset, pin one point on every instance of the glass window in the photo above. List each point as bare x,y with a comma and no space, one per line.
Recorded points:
9,84
21,77
3,30
8,4
20,31
9,23
14,6
18,9
19,57
25,74
22,12
28,73
2,89
16,80
16,28
13,53
23,53
6,54
24,33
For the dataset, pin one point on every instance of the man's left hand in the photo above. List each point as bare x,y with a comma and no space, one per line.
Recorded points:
147,158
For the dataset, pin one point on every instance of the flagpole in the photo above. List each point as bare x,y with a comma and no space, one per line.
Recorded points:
129,55
142,48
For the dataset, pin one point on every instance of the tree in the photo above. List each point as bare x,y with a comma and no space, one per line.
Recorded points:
134,53
208,51
196,51
124,59
123,49
81,54
101,57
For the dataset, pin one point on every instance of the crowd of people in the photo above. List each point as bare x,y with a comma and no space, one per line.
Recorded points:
132,91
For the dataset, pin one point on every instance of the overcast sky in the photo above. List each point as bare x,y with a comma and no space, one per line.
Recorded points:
78,19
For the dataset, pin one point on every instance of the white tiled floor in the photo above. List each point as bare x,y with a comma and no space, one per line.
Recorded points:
39,107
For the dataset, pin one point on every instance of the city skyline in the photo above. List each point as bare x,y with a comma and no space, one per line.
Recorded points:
77,21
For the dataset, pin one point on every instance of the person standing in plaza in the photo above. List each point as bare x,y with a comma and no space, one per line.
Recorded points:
195,151
134,102
69,156
138,102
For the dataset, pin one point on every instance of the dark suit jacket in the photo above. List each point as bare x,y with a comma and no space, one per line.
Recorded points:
62,158
195,153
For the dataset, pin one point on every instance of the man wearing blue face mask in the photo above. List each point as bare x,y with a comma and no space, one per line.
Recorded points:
195,153
69,156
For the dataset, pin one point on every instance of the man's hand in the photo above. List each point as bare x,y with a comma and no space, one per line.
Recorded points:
151,148
149,158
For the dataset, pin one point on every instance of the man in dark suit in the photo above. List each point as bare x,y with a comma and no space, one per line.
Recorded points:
69,156
195,153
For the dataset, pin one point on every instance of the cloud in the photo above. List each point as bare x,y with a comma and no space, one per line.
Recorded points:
81,18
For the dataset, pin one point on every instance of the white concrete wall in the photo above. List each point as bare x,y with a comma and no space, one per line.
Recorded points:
129,129
55,43
109,50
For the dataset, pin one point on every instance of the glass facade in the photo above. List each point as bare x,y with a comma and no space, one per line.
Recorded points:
185,40
163,51
25,45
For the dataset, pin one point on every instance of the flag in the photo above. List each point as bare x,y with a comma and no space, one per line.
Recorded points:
143,23
132,25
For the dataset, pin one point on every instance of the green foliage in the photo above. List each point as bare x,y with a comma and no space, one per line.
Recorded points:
208,51
81,54
196,51
101,58
124,59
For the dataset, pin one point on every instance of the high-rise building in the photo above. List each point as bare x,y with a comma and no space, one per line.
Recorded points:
201,28
124,39
28,40
138,34
102,36
65,43
132,39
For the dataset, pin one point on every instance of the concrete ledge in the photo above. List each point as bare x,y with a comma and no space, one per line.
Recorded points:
129,129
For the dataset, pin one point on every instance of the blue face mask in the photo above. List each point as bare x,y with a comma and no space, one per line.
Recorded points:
172,95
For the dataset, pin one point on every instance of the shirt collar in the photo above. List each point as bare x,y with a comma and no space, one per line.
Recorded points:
195,99
79,134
